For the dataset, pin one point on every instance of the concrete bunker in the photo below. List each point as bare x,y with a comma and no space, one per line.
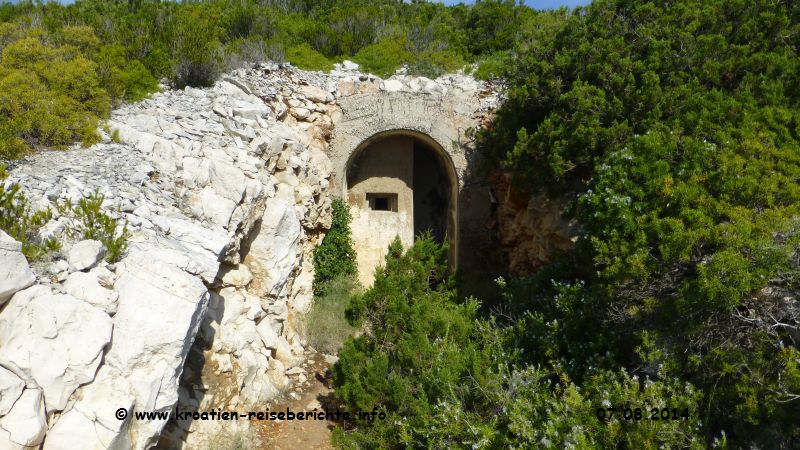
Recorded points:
399,183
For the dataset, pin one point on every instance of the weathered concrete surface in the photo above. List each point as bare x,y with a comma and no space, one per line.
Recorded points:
444,118
439,113
386,168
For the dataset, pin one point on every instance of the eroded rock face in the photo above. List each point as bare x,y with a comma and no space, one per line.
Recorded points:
532,229
24,426
225,191
55,340
15,274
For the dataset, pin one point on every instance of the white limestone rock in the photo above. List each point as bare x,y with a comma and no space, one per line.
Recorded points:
316,94
87,287
91,422
55,339
15,274
349,65
267,334
11,388
237,276
159,313
24,426
274,251
86,254
391,85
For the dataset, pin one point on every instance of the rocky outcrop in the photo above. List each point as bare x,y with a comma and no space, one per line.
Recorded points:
225,192
531,228
15,274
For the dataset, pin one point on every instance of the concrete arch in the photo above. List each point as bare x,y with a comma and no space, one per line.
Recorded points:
444,119
444,165
440,121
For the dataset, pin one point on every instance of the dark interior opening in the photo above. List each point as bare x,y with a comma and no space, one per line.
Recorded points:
382,202
431,192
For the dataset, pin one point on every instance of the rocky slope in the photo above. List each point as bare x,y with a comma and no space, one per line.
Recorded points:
225,192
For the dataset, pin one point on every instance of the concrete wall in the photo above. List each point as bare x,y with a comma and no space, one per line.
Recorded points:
442,121
385,167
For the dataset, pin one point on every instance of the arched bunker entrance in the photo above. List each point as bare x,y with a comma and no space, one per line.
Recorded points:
399,183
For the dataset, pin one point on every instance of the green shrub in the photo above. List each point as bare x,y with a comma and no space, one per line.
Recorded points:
683,169
305,57
50,96
335,257
93,223
20,222
447,379
436,63
421,349
384,57
493,66
137,81
197,52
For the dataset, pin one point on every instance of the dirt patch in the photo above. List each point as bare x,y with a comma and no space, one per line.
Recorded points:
306,395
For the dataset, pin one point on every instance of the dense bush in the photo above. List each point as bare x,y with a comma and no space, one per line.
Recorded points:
384,57
305,57
335,257
49,95
448,379
674,128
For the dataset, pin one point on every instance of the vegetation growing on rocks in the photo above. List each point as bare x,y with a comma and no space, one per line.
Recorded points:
92,223
335,257
25,224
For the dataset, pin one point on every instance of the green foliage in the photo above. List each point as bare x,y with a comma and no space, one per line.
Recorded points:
384,57
93,223
335,257
674,129
493,25
305,57
325,326
421,349
492,66
196,47
448,379
49,96
22,223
